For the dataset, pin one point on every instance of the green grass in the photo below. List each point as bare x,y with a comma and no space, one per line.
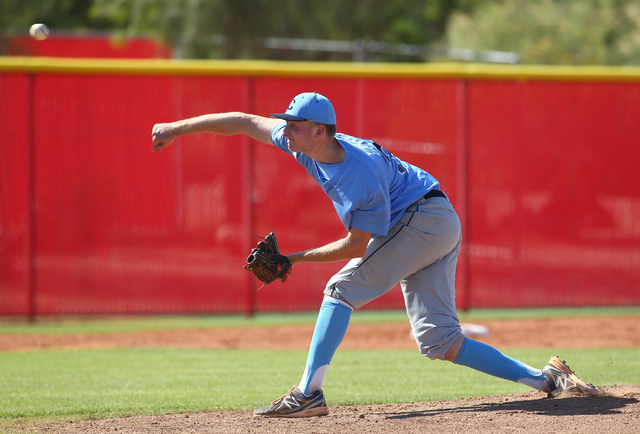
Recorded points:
141,323
103,383
121,382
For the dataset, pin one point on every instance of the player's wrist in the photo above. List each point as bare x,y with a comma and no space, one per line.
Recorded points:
294,258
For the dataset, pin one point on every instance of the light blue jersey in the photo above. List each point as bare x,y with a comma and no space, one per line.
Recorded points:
416,239
372,188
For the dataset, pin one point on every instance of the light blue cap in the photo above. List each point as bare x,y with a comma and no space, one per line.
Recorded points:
309,106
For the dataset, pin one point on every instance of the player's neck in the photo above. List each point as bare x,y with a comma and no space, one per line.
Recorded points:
330,153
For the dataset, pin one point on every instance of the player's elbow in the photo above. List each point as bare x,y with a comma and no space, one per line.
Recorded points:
358,242
360,251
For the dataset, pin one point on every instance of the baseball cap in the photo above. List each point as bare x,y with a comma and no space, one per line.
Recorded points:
309,106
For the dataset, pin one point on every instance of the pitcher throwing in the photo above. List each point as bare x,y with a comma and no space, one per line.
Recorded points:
400,228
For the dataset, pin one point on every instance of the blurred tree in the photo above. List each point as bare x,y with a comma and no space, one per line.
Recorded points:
16,16
553,31
541,31
236,28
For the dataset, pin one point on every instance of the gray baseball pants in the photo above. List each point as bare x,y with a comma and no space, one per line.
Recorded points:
420,252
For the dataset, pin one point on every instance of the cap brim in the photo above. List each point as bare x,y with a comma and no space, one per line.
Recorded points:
287,117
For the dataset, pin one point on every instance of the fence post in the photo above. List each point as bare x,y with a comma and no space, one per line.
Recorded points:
462,181
33,253
248,240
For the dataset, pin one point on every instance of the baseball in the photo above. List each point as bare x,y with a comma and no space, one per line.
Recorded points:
39,32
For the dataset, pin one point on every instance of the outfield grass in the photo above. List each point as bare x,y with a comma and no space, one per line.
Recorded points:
140,323
121,382
130,381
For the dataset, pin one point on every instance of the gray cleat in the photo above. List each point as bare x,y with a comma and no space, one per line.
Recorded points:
561,378
295,404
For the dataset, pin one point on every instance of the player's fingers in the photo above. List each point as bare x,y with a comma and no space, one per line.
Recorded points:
157,147
158,144
160,138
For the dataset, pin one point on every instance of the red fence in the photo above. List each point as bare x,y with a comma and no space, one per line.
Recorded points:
88,46
539,164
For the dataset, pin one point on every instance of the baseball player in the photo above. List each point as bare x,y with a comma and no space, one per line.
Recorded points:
400,228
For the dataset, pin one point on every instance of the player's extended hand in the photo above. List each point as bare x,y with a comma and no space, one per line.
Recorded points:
162,136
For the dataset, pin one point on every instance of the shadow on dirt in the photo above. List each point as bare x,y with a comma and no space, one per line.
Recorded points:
570,405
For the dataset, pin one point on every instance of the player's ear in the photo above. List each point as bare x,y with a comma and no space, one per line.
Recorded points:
319,130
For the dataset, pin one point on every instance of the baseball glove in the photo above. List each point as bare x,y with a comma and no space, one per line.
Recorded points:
266,262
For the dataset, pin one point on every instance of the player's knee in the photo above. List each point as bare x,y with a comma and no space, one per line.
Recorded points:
440,343
452,353
338,300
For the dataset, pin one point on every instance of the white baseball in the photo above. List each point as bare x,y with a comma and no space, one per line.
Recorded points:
39,32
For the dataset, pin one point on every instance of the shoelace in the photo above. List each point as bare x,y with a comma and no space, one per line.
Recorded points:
284,396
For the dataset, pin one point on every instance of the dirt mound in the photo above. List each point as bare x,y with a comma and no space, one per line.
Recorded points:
615,410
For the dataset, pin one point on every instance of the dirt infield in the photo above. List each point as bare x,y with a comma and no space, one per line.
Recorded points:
615,410
592,332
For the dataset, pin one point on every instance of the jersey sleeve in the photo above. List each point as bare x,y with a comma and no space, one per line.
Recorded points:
278,139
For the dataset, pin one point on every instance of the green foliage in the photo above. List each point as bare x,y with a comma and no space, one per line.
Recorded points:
196,25
541,31
553,31
16,16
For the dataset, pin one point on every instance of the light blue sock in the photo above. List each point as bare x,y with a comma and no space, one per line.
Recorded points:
331,326
487,359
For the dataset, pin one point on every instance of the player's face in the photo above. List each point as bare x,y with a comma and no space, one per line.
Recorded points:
300,135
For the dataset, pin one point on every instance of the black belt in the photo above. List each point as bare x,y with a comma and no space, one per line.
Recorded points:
434,193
